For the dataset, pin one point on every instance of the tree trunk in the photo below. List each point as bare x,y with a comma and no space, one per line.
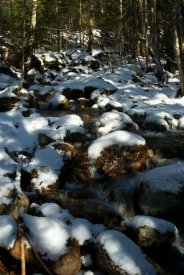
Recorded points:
23,44
135,40
154,44
33,22
58,27
91,23
179,39
121,29
145,15
80,21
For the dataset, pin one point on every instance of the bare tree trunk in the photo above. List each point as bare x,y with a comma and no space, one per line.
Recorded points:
121,30
154,40
33,22
34,14
145,15
179,40
135,39
58,27
23,44
90,34
80,21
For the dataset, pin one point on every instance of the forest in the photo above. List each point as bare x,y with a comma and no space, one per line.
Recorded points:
91,137
130,28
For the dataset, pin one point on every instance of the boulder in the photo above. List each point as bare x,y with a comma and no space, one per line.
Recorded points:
115,154
160,122
160,192
148,231
118,255
112,121
120,160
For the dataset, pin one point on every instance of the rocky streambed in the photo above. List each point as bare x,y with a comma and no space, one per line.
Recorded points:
92,190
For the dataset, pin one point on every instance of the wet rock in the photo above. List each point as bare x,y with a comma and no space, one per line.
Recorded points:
118,255
8,103
160,192
148,231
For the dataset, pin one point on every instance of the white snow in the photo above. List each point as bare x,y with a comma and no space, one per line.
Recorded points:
49,235
86,260
121,138
81,230
47,157
8,231
125,253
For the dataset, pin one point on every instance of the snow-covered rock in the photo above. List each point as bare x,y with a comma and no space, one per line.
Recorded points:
117,254
148,231
113,121
161,192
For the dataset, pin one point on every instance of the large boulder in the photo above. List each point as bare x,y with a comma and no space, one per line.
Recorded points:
160,192
118,255
115,154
